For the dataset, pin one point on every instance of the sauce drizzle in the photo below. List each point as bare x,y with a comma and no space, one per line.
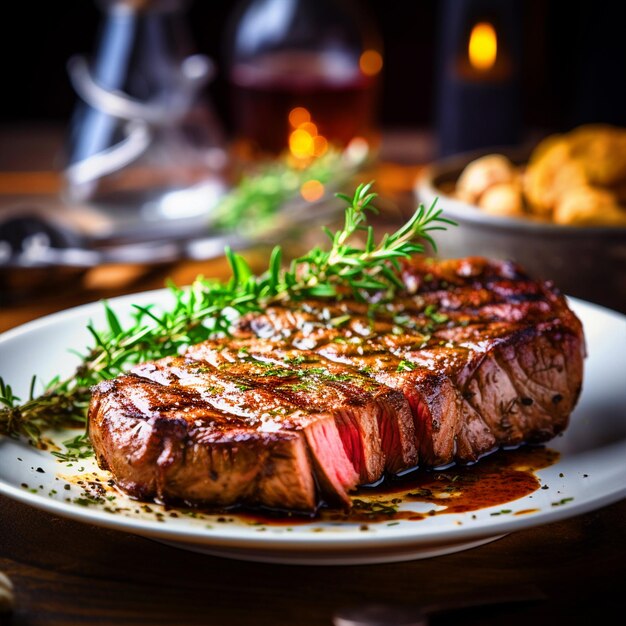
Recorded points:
502,477
498,479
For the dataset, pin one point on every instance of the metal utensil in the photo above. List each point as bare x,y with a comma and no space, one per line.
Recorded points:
392,615
380,615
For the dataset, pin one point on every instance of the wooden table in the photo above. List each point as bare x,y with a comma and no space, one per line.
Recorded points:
67,572
70,573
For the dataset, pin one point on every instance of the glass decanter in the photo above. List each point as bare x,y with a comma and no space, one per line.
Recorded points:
304,74
145,152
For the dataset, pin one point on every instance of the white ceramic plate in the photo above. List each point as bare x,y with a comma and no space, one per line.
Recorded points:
590,473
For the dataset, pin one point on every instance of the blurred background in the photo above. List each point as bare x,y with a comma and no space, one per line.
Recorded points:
573,62
146,132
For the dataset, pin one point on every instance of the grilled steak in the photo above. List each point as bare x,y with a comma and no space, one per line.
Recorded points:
311,398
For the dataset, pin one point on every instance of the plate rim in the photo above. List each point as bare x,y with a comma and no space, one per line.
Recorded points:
311,541
339,542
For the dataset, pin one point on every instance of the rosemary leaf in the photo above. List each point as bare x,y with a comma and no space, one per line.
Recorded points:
208,308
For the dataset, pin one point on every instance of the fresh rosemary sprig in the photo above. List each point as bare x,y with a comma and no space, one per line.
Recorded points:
60,405
253,203
208,308
360,271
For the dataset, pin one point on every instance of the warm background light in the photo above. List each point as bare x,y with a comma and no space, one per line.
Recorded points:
371,62
309,127
483,46
312,190
301,143
320,146
299,116
304,141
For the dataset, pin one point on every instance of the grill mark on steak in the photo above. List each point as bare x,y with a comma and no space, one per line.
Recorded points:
380,435
327,413
495,314
159,445
311,398
431,396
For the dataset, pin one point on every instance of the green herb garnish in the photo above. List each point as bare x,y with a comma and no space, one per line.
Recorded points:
208,308
77,448
562,501
437,317
405,366
258,196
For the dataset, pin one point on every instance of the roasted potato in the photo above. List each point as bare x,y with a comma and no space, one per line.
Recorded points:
589,206
482,174
503,199
601,150
576,178
550,172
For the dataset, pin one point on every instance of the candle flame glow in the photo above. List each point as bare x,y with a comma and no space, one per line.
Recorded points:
483,46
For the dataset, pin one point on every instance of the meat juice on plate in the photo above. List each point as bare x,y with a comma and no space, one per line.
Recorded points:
498,480
501,478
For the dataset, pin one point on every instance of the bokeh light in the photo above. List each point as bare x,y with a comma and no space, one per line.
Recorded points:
371,62
312,190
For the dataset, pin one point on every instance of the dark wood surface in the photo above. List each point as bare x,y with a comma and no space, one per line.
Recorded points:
65,572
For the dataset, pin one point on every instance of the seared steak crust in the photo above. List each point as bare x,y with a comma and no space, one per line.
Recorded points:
311,398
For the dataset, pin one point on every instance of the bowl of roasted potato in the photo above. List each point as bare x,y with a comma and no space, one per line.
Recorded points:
557,207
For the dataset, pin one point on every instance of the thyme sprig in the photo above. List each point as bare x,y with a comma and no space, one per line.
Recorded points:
208,308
